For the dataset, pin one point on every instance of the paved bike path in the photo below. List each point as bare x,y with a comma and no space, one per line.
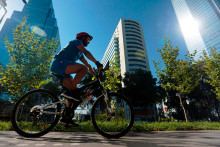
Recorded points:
85,139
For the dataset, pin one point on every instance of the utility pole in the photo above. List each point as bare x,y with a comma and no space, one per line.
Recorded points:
3,4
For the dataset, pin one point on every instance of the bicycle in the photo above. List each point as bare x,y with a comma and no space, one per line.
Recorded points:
38,111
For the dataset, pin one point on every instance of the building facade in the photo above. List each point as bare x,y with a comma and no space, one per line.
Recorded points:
40,16
200,24
128,42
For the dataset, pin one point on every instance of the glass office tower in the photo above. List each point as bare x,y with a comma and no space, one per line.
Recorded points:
41,18
200,24
128,42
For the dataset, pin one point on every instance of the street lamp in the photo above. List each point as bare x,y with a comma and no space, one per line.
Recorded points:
2,7
24,1
3,4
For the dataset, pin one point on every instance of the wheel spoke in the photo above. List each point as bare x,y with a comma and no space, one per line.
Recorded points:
29,118
105,121
116,122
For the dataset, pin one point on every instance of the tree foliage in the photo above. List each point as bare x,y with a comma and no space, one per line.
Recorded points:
179,75
212,66
202,105
141,87
30,57
113,75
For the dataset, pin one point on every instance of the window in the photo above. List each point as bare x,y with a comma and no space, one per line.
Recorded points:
139,56
133,32
136,60
134,39
134,43
132,35
133,28
132,25
133,70
134,51
131,22
137,65
135,47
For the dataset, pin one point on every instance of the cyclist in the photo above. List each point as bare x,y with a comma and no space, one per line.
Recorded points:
64,64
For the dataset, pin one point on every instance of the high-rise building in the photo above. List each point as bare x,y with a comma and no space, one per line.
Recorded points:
128,42
200,24
40,14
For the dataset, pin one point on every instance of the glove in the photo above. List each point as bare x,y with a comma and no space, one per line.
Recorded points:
98,64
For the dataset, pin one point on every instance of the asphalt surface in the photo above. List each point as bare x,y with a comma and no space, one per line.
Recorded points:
85,139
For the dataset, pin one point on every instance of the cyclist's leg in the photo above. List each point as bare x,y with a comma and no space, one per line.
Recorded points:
80,71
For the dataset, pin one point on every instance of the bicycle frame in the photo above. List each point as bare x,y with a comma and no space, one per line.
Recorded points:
90,86
43,111
41,108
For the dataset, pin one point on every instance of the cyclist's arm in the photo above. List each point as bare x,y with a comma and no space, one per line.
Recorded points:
84,61
86,53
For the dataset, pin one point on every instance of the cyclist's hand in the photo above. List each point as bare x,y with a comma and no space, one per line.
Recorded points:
99,65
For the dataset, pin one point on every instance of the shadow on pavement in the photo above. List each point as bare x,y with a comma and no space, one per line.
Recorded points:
166,138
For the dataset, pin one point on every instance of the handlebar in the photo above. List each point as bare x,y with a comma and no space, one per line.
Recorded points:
100,72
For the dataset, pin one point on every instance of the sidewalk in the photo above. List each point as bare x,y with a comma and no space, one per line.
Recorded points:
84,139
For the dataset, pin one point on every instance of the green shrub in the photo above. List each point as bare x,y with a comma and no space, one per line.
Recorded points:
5,126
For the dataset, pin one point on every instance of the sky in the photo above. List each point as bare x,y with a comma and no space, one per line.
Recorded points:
100,18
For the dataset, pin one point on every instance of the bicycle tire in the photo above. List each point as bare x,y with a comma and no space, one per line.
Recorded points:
112,134
16,110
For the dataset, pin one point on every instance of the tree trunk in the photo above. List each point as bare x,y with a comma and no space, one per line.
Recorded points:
181,104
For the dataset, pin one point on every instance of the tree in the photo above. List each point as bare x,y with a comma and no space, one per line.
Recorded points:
202,100
179,75
172,101
30,57
53,86
212,67
141,87
113,75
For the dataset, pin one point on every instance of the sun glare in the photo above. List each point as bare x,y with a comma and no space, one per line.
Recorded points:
189,26
38,31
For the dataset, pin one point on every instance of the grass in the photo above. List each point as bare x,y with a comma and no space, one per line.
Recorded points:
137,127
174,126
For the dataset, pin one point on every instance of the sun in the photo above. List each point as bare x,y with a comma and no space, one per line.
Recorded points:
189,26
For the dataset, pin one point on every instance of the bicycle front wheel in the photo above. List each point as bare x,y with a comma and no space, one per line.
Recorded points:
34,114
114,118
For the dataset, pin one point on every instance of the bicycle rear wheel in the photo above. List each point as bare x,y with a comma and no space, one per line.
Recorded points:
30,118
116,122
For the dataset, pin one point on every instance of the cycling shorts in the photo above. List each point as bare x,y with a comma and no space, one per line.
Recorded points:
58,67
